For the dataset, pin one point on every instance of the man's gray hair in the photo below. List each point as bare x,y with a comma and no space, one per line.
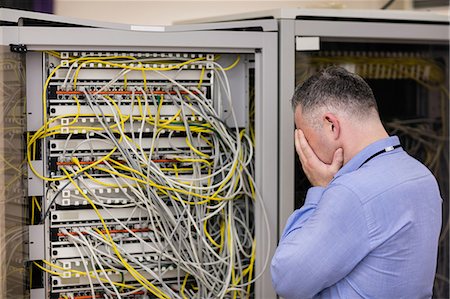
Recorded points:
336,89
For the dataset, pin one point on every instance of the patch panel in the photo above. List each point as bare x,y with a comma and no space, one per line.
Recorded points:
62,250
94,146
393,65
117,195
70,282
68,218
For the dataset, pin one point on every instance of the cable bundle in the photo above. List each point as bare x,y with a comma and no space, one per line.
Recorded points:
184,181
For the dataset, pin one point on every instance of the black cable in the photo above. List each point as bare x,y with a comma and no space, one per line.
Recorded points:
52,201
389,3
385,150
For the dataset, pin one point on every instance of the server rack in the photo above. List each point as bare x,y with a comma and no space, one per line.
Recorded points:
86,85
403,55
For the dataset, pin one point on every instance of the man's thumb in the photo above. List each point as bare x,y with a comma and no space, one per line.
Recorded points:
338,159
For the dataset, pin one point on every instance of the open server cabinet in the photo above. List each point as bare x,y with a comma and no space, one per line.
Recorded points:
136,164
404,56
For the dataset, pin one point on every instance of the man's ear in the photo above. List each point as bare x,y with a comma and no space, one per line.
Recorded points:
332,125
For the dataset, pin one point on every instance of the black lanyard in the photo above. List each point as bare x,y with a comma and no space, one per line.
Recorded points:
385,150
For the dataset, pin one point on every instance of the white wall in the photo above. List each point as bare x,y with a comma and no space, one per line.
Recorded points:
148,12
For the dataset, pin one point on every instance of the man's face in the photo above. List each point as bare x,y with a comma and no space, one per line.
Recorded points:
318,138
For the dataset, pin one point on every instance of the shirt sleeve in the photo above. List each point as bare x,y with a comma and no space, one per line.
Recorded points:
321,244
301,215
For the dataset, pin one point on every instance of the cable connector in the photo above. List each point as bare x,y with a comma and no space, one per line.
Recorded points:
19,48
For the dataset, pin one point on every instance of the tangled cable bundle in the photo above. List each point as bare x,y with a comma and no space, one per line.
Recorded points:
173,193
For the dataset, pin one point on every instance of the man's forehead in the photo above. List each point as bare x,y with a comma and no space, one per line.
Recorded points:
298,113
299,118
298,110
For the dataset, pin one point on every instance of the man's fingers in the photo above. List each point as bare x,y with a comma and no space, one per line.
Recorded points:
304,146
297,141
338,159
317,172
298,146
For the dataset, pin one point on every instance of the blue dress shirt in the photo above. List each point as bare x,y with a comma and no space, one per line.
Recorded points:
371,233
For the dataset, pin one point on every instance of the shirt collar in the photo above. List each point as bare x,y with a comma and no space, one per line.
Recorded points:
368,151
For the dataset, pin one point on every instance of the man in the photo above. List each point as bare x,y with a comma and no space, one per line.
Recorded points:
370,224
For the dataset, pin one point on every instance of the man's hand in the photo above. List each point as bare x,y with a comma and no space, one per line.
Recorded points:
317,172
